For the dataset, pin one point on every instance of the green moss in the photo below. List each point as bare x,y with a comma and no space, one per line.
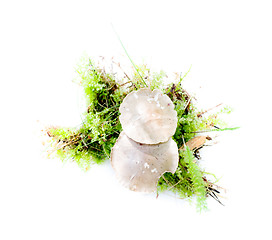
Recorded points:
92,141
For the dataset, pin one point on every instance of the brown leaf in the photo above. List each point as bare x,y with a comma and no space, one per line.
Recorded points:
195,143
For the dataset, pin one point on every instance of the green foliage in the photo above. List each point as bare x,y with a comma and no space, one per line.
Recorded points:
154,80
187,181
199,186
92,141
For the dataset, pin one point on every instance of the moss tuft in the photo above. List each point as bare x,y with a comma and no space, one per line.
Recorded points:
92,141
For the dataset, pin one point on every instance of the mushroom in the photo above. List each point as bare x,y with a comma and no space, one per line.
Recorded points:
139,166
148,116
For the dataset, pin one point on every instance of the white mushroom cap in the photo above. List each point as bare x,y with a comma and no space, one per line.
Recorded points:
148,116
139,166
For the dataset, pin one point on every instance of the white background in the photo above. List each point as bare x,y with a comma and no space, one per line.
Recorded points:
228,44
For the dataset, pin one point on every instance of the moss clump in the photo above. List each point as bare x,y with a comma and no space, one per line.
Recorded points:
92,141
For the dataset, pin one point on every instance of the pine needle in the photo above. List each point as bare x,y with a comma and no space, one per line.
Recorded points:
217,130
128,55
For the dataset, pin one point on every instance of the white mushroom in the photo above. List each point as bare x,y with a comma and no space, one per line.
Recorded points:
148,116
139,166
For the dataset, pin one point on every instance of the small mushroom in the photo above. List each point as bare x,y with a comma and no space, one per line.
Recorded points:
148,116
139,166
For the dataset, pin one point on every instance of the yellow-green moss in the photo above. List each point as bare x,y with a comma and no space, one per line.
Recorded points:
92,141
